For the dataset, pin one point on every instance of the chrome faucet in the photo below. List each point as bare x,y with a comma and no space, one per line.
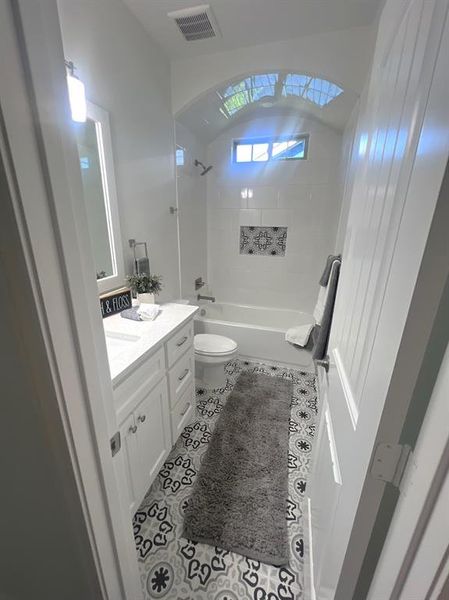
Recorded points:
200,297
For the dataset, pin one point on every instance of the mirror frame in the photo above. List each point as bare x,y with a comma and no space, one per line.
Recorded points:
100,116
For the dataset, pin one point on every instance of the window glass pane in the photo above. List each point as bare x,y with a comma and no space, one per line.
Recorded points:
236,102
179,156
260,152
295,84
289,149
278,148
321,91
243,152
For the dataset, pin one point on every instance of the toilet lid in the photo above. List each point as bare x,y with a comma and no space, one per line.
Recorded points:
208,343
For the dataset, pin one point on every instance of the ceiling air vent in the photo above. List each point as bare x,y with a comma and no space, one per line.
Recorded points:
196,23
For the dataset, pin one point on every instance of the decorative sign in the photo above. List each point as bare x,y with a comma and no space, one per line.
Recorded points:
114,302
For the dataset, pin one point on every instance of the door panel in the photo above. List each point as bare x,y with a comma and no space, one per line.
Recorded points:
362,348
153,438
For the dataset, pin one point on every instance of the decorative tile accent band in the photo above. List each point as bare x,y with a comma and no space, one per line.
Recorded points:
263,241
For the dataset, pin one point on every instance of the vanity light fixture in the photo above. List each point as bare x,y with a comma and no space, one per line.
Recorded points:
77,94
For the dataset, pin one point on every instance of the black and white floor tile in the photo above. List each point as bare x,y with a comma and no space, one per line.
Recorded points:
171,566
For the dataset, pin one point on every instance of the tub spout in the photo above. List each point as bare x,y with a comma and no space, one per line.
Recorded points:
200,297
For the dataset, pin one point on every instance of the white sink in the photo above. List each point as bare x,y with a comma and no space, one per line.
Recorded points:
118,342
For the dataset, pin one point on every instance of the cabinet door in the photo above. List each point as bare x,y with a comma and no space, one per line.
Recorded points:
153,435
131,459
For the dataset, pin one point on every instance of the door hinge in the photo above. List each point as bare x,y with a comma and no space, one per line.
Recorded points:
116,443
389,463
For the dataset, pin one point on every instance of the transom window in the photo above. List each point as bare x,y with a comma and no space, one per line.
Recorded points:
275,86
267,149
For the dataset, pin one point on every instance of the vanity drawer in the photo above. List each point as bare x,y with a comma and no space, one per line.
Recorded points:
180,376
179,343
132,389
182,414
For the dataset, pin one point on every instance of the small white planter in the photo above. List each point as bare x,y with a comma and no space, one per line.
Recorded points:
146,298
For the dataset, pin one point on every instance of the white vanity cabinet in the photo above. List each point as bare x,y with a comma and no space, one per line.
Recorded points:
154,401
146,442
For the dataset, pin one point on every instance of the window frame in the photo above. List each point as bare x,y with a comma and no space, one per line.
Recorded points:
270,141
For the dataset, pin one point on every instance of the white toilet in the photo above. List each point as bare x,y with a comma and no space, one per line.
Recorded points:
212,352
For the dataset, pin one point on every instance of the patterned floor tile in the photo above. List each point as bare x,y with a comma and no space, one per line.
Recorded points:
173,567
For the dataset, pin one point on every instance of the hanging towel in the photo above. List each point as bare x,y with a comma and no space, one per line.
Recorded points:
299,335
327,269
322,332
320,304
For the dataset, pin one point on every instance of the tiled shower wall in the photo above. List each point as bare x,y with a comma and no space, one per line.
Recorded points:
305,196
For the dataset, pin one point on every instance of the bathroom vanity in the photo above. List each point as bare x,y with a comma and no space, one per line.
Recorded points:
153,377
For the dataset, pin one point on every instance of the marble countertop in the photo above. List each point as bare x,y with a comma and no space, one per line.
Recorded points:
129,341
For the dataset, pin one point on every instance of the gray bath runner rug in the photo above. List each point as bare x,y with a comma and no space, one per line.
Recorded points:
238,500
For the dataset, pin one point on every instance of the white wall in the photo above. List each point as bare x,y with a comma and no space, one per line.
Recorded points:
303,195
192,212
341,56
127,74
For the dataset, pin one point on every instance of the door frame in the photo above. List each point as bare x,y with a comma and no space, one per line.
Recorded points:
41,163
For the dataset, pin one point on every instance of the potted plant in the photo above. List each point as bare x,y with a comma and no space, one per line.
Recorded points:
145,286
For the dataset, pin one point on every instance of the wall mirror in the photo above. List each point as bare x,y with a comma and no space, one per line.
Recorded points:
93,138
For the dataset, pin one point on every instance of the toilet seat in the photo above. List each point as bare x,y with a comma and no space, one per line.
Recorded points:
208,344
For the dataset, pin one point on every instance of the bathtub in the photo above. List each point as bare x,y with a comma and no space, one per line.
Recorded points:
259,331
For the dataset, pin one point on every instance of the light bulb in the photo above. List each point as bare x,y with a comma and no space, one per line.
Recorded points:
77,97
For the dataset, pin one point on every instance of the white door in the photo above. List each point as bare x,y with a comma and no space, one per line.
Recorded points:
415,559
387,230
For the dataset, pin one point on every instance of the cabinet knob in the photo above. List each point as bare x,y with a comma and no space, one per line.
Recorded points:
133,429
141,418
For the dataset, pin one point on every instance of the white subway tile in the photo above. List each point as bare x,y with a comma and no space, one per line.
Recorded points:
231,197
294,196
279,218
249,216
263,197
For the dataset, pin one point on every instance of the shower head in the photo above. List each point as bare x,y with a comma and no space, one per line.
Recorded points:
205,169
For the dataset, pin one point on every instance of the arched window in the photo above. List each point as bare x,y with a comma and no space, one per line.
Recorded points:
255,88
